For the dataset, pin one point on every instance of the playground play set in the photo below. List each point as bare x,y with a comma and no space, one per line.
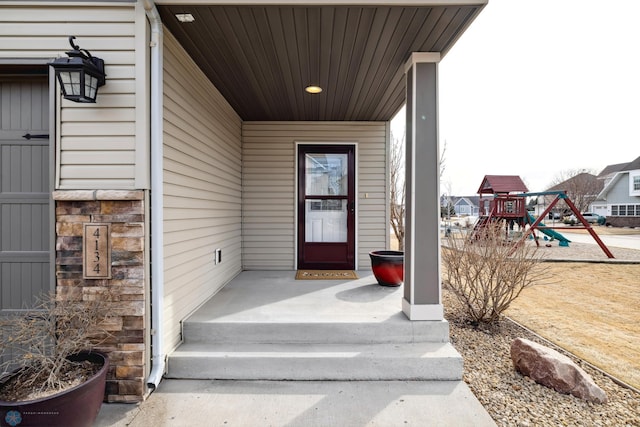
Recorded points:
508,204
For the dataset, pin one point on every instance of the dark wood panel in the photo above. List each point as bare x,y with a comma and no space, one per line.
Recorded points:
262,57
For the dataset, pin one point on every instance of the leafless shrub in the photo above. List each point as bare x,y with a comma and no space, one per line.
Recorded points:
488,273
40,340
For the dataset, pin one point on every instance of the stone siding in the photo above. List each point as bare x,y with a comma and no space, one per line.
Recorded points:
623,221
125,211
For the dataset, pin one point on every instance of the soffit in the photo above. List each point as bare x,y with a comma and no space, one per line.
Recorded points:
262,57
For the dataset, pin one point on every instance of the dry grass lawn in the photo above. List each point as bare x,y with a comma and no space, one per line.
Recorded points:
591,310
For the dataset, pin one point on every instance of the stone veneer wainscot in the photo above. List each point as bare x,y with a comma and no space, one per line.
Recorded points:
124,210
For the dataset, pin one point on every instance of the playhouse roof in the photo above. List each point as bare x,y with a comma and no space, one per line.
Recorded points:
502,184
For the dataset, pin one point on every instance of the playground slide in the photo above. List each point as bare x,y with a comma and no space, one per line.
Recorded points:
551,233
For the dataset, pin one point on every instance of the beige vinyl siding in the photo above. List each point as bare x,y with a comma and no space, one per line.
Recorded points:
202,189
98,146
269,179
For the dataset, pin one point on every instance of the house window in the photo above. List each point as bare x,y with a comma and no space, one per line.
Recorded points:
625,210
636,183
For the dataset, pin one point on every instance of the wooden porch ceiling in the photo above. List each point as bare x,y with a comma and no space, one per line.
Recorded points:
262,57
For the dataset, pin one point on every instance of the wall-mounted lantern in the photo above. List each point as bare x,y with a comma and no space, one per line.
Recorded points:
80,75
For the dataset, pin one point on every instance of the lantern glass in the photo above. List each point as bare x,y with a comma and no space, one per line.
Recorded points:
79,85
90,86
70,81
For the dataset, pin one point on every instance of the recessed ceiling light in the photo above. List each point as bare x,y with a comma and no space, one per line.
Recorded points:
313,89
185,17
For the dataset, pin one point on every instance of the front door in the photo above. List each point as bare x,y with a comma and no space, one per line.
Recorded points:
326,206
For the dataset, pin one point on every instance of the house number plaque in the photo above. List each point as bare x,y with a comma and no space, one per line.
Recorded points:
96,248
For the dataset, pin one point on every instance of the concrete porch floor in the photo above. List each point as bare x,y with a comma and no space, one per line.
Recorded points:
277,295
344,318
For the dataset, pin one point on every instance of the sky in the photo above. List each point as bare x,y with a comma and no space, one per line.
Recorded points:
539,88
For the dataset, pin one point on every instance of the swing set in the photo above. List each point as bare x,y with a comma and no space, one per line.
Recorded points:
512,209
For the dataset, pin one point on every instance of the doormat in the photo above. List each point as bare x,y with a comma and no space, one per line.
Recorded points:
326,275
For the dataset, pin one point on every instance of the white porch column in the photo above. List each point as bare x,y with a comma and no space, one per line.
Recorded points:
422,294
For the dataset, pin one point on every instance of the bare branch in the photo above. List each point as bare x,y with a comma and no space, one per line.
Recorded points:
443,159
397,191
581,185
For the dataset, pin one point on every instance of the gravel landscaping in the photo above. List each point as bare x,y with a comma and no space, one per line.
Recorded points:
514,400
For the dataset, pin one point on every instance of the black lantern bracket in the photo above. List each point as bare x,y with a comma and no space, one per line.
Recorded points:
80,74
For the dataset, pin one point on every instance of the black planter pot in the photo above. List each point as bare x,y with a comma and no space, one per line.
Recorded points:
74,407
388,267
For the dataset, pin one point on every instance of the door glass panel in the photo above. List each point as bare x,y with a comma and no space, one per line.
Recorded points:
326,220
326,174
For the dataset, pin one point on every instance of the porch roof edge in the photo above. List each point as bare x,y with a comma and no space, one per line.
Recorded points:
325,2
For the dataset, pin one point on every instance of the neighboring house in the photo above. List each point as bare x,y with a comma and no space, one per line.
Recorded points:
582,189
204,156
619,199
466,206
463,206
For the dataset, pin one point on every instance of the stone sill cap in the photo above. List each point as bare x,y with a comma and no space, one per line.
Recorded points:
90,195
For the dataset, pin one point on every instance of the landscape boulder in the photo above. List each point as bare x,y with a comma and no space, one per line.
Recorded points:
552,369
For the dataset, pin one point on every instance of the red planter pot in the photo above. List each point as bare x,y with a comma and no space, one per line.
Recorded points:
75,407
388,267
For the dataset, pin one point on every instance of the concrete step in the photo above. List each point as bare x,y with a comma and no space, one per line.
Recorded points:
267,326
395,329
323,362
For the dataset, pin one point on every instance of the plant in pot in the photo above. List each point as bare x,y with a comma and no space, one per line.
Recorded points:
51,375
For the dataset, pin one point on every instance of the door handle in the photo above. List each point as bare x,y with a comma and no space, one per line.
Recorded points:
352,207
41,136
